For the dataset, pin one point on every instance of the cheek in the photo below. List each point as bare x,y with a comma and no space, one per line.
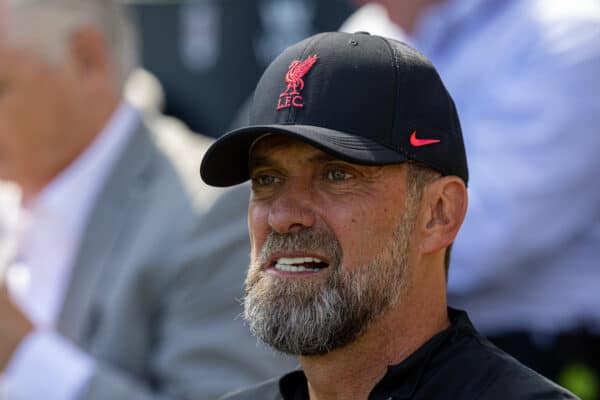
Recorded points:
363,232
351,226
258,226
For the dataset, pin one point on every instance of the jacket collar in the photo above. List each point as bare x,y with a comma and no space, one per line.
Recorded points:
401,380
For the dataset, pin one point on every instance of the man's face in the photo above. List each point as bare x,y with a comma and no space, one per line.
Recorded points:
330,246
38,109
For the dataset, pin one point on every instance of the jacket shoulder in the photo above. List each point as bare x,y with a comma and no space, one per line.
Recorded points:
516,381
268,390
500,376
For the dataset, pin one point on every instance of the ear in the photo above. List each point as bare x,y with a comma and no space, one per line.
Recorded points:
91,58
443,209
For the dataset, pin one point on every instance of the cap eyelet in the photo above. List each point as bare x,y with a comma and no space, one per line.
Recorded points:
353,42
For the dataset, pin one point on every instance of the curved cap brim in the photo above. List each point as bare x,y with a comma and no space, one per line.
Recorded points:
226,161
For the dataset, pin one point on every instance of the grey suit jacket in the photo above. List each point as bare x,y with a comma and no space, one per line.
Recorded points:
154,295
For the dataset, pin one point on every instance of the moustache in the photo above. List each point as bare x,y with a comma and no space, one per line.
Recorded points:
319,242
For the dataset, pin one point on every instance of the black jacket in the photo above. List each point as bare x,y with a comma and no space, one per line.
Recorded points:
457,363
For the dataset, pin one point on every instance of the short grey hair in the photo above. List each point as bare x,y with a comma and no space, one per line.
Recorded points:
50,23
418,176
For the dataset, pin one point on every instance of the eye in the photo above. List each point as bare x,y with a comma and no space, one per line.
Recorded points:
338,175
265,180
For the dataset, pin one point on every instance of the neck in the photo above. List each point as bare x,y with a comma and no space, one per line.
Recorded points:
407,13
354,370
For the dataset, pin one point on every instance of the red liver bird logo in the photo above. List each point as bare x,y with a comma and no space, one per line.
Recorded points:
296,71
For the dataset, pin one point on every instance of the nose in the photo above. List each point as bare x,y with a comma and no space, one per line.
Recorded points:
292,210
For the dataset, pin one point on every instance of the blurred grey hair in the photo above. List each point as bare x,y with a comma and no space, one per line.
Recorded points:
48,24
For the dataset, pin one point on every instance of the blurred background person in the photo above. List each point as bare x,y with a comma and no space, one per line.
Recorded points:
524,74
122,280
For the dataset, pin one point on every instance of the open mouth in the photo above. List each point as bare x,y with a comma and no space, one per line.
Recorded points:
299,264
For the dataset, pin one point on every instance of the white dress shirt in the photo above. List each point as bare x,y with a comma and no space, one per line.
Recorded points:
45,365
525,78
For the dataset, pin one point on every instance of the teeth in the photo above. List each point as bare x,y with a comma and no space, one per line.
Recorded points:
298,260
294,264
290,268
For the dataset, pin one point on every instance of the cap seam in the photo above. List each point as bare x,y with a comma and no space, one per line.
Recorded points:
395,60
400,82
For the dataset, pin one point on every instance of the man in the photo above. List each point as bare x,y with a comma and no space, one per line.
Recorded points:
524,75
124,284
359,177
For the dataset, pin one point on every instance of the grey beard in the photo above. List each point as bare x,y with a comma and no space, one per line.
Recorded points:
303,317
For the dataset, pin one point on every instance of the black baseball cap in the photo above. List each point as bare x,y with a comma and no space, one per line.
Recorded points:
362,98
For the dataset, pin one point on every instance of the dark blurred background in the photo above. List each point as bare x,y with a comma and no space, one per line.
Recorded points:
207,81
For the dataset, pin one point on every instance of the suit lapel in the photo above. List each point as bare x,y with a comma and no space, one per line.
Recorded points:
114,211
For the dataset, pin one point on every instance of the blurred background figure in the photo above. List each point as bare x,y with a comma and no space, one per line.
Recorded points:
209,54
122,271
525,77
